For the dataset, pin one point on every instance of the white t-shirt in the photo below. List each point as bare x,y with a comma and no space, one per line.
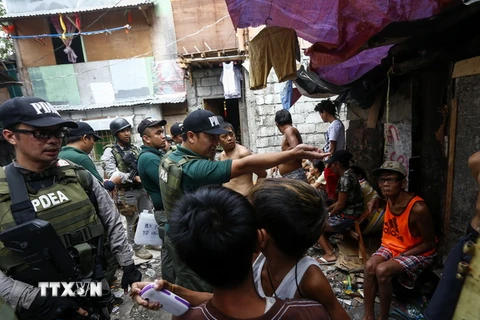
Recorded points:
335,132
288,287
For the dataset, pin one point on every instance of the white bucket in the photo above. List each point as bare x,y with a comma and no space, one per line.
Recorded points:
147,230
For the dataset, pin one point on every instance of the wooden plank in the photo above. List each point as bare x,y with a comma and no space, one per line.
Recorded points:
468,306
32,52
191,23
374,111
466,67
118,44
451,161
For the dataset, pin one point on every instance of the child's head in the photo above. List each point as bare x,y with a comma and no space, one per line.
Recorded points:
283,117
291,211
227,140
327,106
215,232
317,167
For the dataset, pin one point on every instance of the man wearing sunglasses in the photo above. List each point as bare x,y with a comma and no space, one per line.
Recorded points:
66,196
408,240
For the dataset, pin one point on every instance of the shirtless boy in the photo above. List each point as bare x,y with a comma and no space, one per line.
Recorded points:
233,150
291,137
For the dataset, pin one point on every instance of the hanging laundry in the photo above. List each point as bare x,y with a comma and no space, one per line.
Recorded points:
230,78
286,95
289,95
275,47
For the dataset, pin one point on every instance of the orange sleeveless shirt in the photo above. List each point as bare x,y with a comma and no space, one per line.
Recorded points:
396,233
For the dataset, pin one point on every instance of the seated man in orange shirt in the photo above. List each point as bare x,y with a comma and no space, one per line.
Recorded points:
408,240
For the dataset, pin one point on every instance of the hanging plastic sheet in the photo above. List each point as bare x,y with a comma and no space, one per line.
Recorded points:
310,85
337,28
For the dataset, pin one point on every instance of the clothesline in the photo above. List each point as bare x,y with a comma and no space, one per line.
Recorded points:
86,33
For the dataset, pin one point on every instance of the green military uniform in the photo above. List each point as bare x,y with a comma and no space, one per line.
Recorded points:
148,165
6,311
148,162
64,204
75,205
131,192
184,171
61,199
81,158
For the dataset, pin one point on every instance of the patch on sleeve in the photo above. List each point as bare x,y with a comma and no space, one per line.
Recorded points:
62,163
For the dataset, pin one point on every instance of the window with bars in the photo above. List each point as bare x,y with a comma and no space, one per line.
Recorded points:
107,138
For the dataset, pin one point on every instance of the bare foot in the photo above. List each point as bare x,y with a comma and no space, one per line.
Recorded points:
368,318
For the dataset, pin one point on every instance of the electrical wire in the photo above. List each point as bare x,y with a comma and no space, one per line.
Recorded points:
63,45
56,35
123,60
195,33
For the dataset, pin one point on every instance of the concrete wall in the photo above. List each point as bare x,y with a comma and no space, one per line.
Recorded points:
261,108
205,85
465,189
372,146
257,111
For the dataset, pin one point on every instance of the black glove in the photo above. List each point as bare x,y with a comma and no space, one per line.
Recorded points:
130,275
50,308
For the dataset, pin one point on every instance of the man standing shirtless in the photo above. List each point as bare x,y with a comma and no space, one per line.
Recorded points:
291,138
233,150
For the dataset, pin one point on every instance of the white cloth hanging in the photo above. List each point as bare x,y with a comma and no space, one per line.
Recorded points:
230,78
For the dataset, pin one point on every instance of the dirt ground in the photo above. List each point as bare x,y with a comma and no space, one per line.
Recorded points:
348,265
129,309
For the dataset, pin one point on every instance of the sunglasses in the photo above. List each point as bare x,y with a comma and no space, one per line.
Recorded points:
43,134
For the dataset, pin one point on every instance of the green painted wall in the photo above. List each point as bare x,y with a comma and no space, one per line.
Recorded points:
56,84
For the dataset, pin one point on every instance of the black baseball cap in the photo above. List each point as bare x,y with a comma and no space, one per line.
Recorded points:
203,121
32,111
176,129
83,128
149,122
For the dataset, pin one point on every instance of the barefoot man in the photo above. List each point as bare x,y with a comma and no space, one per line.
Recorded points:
233,150
291,138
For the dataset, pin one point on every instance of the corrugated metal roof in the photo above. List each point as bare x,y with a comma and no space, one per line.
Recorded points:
165,98
123,4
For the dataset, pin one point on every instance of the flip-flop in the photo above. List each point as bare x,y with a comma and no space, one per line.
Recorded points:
325,262
318,247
